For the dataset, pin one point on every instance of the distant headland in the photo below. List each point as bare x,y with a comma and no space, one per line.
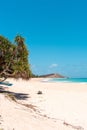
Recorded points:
53,75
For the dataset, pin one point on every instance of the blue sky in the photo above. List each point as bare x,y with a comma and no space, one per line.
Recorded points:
55,32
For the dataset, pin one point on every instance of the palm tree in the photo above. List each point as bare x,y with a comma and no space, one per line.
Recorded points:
6,56
22,58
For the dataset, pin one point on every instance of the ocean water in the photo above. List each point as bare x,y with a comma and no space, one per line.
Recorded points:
74,80
6,83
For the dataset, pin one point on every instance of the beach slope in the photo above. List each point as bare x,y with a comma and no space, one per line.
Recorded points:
61,106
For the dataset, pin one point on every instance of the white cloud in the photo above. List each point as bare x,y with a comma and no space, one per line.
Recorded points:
53,65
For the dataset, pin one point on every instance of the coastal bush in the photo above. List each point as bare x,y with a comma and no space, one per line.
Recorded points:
14,58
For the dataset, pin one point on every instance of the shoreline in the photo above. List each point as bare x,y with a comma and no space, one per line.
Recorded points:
59,103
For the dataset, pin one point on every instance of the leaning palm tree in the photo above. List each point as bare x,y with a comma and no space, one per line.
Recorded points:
6,57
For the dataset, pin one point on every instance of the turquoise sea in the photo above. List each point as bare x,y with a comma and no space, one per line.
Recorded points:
74,80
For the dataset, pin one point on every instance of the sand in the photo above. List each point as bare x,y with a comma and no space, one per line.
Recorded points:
61,106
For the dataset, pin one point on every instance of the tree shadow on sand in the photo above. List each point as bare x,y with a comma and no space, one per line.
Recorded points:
18,96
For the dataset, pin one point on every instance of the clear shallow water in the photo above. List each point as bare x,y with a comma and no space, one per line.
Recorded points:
74,80
6,83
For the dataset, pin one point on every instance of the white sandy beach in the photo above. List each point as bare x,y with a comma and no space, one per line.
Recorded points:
61,106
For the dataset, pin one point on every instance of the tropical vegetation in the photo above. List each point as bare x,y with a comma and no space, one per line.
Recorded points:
14,60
